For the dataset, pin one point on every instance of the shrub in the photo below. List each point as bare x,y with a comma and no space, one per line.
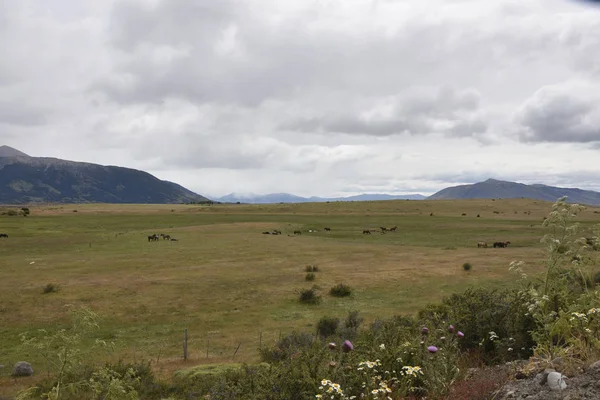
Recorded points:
310,277
340,290
311,268
50,288
467,266
327,326
351,325
286,346
309,296
597,278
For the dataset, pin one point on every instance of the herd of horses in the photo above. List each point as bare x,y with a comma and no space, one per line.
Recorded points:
496,244
156,237
382,228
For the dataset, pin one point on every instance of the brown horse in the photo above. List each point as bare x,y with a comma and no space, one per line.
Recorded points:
366,232
393,229
482,244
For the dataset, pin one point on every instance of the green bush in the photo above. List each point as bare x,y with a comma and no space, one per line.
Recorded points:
310,277
50,288
327,326
340,290
467,266
309,296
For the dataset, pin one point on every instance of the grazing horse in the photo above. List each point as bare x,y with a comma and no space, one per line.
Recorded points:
297,232
153,238
393,229
266,233
328,229
383,229
366,232
501,244
5,235
482,244
276,232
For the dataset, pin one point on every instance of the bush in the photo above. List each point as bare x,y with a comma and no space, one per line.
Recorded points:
311,268
50,288
310,296
25,211
310,277
286,346
467,266
340,290
597,278
327,326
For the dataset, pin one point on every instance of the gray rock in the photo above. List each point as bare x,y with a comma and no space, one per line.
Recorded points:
595,367
556,381
542,377
22,368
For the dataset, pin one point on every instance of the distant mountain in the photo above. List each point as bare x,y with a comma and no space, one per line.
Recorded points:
25,179
494,189
290,198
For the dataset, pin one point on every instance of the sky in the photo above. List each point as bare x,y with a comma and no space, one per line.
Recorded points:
325,98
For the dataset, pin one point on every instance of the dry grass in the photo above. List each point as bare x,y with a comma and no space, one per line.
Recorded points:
226,282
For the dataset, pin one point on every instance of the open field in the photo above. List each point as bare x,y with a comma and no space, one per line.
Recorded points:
226,282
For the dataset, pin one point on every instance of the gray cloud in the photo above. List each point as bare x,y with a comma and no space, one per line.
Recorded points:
552,115
448,111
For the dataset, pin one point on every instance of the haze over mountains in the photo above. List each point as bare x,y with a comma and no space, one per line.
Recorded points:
25,179
290,198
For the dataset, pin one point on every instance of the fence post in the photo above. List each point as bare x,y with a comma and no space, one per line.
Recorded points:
260,341
236,350
207,346
185,344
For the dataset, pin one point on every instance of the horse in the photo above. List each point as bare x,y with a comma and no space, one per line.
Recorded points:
3,235
297,232
328,229
383,229
153,238
501,244
393,229
266,233
366,232
482,244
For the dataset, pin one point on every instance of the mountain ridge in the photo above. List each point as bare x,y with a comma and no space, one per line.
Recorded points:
291,198
26,179
495,188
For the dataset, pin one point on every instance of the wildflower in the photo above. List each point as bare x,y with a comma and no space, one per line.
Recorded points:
332,346
432,349
510,349
451,329
382,346
594,311
347,346
460,334
425,331
318,396
332,364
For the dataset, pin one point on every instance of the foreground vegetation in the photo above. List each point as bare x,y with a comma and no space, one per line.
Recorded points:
224,274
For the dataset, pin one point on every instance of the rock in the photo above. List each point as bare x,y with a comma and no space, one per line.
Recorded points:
542,377
595,367
556,381
22,368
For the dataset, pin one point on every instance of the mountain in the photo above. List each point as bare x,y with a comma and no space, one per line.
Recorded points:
25,179
290,198
493,188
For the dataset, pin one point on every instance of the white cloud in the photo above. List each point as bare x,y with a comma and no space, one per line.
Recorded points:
313,98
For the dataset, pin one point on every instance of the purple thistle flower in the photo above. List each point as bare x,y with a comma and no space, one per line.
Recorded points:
425,331
432,349
460,334
451,329
347,346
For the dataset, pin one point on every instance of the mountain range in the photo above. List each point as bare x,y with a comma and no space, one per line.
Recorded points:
489,189
290,198
25,179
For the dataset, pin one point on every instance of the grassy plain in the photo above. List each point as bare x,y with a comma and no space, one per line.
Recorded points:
227,283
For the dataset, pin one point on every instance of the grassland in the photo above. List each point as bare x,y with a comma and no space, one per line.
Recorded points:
228,284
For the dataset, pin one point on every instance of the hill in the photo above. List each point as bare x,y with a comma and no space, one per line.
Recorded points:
494,189
25,179
290,198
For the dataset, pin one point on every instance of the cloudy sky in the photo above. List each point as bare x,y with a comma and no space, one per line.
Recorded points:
329,97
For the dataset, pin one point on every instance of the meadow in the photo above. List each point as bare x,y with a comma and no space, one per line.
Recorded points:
233,287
